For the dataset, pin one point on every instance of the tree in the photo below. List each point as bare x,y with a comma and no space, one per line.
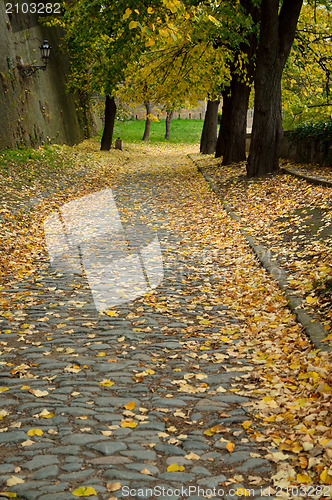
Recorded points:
210,128
100,45
110,113
277,31
306,83
231,144
169,116
182,65
148,108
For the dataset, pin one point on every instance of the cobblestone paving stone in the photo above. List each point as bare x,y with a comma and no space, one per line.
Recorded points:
143,348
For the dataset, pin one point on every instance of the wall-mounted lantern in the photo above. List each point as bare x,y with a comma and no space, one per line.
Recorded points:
29,69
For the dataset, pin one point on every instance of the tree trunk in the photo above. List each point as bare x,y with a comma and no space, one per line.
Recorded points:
169,117
225,119
146,134
235,141
231,143
110,112
210,128
276,37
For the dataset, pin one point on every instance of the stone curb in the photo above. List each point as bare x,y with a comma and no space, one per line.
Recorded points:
309,178
314,329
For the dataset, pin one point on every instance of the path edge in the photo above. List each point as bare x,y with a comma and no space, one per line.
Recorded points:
313,329
309,178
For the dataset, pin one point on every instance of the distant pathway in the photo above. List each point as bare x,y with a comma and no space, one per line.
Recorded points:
167,361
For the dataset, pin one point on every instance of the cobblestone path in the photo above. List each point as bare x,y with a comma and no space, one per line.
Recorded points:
167,363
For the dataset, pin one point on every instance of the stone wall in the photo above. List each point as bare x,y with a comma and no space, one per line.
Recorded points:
139,112
33,109
306,152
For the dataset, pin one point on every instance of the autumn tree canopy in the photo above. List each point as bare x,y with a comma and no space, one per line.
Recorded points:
173,52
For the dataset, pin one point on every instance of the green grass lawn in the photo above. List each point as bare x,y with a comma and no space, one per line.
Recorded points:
182,131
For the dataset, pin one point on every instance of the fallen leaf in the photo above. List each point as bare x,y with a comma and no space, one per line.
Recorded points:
175,468
146,471
130,406
113,486
3,414
14,480
230,447
131,424
28,442
304,478
325,477
192,456
106,383
35,432
246,424
83,491
72,369
38,393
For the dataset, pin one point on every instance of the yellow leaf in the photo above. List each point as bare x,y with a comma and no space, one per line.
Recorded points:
230,447
150,10
310,299
106,433
100,354
208,432
325,477
106,383
175,468
132,25
297,448
14,480
125,16
246,424
35,432
25,387
303,478
149,42
46,414
3,389
3,414
130,406
8,494
83,491
327,388
149,372
129,423
114,313
204,322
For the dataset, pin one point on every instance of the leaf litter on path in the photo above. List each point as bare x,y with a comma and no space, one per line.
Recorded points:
292,219
295,417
